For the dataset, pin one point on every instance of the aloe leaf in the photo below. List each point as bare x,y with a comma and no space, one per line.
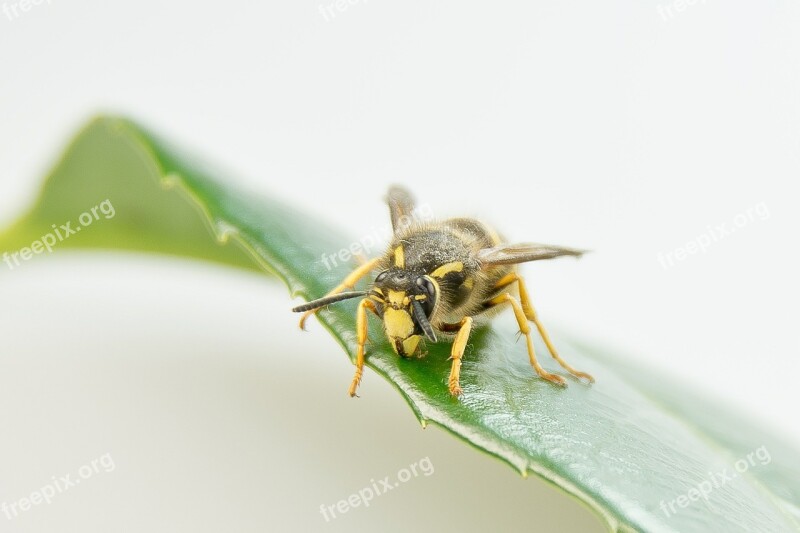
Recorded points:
635,447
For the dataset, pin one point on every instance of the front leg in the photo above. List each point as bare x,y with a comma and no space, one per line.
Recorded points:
457,352
361,332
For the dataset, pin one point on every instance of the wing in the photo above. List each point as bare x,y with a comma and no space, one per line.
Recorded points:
508,254
401,206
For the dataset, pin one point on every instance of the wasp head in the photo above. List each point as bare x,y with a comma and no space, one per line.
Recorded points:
407,302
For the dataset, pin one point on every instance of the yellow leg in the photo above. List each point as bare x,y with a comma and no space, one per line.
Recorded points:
361,332
360,258
525,329
348,283
530,314
457,352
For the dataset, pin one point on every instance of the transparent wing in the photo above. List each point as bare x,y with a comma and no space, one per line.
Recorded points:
507,254
401,206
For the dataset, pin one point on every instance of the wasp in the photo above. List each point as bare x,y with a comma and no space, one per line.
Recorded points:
441,279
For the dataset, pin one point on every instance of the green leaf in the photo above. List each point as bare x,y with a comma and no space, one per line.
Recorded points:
623,446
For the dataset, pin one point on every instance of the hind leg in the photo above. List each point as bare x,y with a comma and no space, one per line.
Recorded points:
530,314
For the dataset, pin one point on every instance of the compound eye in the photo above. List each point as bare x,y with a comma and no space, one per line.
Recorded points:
424,283
381,276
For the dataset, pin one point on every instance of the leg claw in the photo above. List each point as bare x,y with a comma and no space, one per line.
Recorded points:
554,379
305,317
583,375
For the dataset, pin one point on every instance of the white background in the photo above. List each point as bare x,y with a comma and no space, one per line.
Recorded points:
624,127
